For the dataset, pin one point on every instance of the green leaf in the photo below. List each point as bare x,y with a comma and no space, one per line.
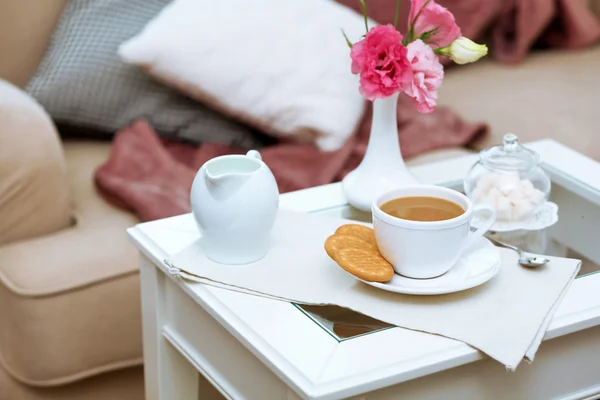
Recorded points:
348,42
364,8
429,34
398,4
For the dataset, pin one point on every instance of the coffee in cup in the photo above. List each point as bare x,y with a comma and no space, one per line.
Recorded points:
422,208
423,230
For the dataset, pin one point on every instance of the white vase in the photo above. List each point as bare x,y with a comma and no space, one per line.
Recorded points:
382,168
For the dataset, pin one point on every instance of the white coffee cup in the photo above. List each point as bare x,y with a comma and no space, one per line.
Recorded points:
426,249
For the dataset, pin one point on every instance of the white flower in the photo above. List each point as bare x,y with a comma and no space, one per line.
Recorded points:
513,198
463,50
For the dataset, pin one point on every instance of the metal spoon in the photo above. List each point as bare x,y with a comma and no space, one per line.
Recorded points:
525,259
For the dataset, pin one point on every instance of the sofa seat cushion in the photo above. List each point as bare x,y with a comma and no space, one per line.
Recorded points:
126,384
552,94
70,301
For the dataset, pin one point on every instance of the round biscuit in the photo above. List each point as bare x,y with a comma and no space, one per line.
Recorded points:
363,232
336,242
365,264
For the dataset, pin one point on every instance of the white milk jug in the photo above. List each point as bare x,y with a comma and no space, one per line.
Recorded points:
234,201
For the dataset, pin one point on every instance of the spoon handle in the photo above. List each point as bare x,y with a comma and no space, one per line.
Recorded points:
509,246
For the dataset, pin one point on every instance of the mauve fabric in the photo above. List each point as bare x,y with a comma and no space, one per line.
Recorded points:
509,27
152,176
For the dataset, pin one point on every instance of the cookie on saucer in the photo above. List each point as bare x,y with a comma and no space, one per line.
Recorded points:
353,248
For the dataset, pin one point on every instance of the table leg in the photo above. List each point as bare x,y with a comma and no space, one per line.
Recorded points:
167,373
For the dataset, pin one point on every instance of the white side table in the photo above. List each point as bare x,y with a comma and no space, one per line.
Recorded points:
260,349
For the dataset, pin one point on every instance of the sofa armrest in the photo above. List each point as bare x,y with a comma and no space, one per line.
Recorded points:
34,192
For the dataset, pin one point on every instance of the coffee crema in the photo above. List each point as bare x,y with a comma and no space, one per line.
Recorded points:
422,208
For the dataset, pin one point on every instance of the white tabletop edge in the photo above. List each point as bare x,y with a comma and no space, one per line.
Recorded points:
454,356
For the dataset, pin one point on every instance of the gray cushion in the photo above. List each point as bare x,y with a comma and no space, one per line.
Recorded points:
82,82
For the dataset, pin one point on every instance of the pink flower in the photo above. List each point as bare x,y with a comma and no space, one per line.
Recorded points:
433,18
380,59
427,76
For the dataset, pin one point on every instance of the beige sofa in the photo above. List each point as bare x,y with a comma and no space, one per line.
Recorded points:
70,323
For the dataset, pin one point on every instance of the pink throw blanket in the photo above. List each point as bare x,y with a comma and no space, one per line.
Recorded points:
509,27
152,177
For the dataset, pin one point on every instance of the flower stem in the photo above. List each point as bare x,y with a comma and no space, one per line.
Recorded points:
364,8
398,4
409,36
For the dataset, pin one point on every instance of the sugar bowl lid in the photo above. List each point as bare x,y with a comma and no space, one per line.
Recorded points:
510,156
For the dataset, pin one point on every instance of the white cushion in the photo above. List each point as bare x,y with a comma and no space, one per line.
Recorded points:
280,65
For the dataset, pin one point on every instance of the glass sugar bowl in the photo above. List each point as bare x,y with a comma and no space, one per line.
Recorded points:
509,178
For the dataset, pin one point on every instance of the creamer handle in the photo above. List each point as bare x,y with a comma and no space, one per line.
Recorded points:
254,154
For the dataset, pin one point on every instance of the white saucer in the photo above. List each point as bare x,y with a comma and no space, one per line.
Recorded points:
480,263
545,216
